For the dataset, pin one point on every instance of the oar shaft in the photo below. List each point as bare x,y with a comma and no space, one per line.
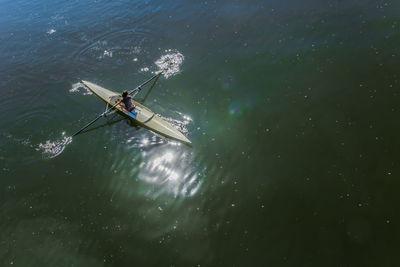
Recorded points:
151,88
146,82
87,125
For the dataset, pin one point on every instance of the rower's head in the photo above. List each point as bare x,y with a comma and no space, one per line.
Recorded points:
124,93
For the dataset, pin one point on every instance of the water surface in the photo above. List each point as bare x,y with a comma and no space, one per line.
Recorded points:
292,108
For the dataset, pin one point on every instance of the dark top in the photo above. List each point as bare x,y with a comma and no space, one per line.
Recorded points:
128,103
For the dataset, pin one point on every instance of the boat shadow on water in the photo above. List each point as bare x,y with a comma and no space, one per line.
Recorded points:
110,122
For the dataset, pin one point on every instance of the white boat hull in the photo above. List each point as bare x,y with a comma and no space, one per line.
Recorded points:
144,117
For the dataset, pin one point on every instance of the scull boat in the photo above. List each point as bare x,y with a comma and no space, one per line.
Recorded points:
144,116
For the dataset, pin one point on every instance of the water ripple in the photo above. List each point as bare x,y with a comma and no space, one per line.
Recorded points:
109,45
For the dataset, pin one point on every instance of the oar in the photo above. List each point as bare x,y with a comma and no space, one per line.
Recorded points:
151,88
146,82
154,83
117,103
90,123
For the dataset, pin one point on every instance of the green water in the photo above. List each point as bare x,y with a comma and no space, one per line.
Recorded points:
292,109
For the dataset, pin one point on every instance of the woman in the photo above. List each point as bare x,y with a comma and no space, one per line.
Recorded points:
127,102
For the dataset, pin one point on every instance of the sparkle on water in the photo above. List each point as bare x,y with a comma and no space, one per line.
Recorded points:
107,53
181,125
167,165
51,31
171,171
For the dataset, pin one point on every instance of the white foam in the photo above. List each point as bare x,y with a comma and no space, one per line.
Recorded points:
170,63
76,88
51,149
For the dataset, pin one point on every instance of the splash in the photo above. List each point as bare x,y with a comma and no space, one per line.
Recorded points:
170,63
51,149
76,89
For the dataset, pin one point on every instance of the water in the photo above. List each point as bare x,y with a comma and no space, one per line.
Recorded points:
292,108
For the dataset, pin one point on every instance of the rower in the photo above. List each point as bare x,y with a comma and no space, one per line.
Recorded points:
127,102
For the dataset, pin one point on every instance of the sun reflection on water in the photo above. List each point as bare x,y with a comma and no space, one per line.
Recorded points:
154,167
171,171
